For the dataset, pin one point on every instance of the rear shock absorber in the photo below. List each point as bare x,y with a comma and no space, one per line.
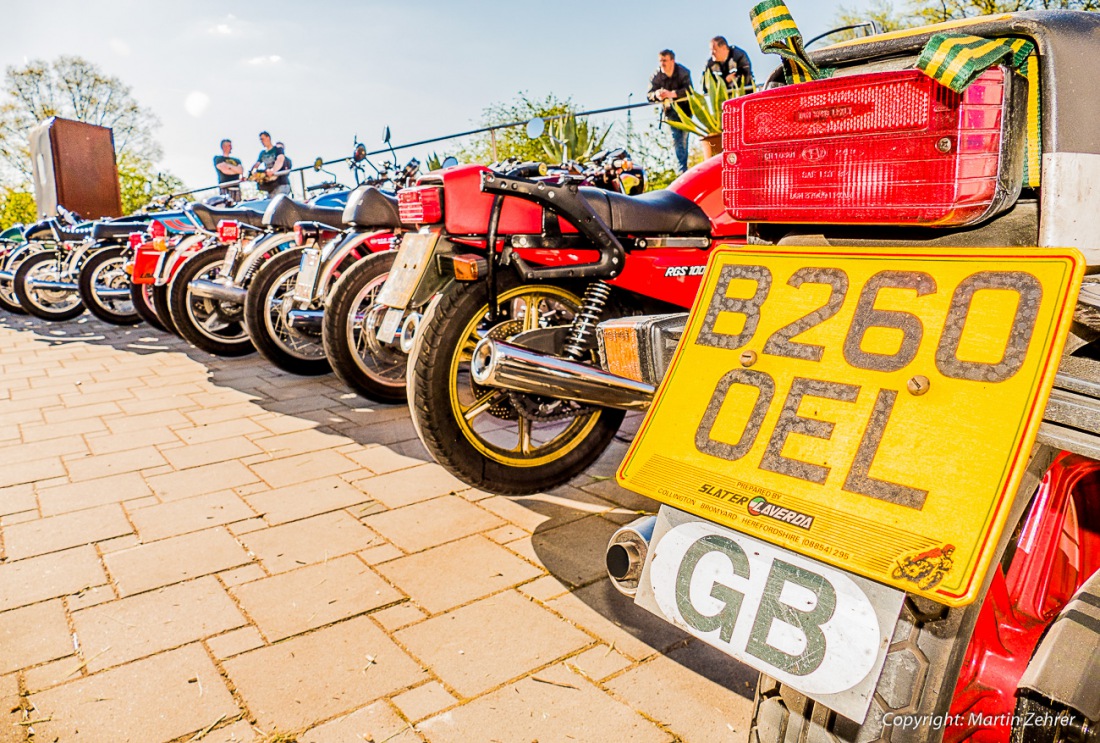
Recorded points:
583,330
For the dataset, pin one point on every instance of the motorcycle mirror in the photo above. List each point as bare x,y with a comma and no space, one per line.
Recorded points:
317,164
386,135
449,162
535,128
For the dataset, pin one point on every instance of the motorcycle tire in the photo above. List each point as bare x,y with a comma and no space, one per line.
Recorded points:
142,297
468,428
205,323
107,265
46,304
286,348
161,298
922,665
8,299
369,368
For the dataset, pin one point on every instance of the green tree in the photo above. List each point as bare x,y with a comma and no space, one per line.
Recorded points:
16,207
135,174
883,12
513,142
892,16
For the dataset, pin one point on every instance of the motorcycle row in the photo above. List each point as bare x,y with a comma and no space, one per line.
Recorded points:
391,286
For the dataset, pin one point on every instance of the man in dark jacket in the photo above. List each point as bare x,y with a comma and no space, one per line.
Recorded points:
669,86
729,63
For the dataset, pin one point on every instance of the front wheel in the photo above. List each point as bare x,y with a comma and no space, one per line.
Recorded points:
265,310
42,286
8,299
105,288
208,324
492,439
373,369
141,295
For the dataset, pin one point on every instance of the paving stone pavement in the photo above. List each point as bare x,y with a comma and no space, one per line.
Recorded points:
196,548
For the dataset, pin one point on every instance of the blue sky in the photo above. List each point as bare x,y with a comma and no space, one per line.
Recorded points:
318,73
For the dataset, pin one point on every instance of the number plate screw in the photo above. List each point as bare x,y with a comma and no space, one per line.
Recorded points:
944,145
918,385
748,358
731,158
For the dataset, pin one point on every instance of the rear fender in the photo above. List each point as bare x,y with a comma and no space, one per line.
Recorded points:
254,255
335,254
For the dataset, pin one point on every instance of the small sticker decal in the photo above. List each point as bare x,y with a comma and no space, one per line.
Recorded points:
927,568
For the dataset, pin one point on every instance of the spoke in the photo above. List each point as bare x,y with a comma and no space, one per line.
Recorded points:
530,312
482,404
524,435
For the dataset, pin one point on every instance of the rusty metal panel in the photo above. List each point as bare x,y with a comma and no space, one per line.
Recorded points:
74,166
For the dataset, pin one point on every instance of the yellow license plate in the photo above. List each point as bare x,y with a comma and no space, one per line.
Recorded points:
873,409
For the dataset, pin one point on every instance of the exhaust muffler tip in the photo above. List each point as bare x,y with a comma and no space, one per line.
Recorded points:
484,361
626,554
407,334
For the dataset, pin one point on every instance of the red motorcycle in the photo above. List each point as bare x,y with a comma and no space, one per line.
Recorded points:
502,380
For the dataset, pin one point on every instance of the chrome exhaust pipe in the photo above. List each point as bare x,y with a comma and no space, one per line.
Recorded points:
305,319
217,291
406,337
626,553
511,367
113,293
52,286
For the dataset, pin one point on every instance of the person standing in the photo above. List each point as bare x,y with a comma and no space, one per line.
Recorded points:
729,63
229,169
669,86
273,160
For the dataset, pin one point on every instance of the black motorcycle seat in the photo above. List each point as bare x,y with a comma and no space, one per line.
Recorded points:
116,230
40,230
209,216
655,213
284,212
369,207
66,235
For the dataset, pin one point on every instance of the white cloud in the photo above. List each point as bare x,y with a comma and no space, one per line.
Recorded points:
119,47
222,29
196,103
266,59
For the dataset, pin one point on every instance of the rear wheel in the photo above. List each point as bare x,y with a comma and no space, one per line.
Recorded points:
502,442
265,311
105,288
44,302
208,324
8,300
350,333
141,295
161,295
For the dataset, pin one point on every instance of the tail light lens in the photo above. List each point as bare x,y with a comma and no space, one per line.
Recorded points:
420,205
157,229
300,236
135,240
879,148
228,231
304,232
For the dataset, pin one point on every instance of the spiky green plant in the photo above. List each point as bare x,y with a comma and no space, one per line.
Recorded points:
569,139
706,108
435,162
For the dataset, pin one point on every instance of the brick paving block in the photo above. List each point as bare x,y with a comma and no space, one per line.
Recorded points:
306,499
218,415
91,493
63,447
90,597
10,715
18,518
303,468
396,617
62,414
104,465
422,525
369,508
201,480
18,473
120,631
614,618
190,514
51,674
506,534
382,553
484,644
119,543
237,732
554,706
237,576
412,485
610,490
217,431
418,703
247,526
377,722
154,403
116,442
291,603
38,578
235,642
145,422
281,423
159,698
575,552
697,691
174,560
209,453
56,533
544,588
322,674
444,577
599,662
32,635
17,498
311,540
34,433
382,459
299,442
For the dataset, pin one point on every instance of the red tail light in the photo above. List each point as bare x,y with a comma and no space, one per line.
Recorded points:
420,205
135,240
300,237
157,229
880,148
228,231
